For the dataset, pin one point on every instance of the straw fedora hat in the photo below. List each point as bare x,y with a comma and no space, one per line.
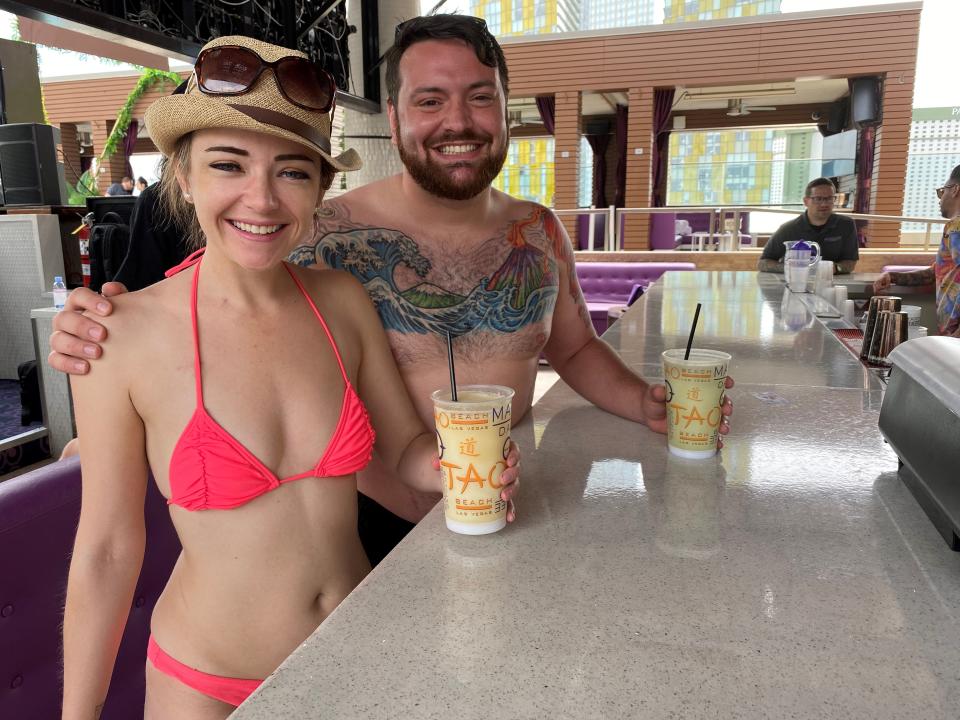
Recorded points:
263,109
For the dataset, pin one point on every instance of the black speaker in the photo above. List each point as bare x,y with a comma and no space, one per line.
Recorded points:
865,101
836,118
28,164
122,205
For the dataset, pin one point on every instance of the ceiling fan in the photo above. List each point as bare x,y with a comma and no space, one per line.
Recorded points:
736,108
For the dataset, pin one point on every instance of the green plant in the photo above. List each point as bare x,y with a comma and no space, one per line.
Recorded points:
87,184
148,79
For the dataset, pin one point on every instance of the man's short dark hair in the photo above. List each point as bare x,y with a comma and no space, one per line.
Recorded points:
126,178
955,175
471,30
819,182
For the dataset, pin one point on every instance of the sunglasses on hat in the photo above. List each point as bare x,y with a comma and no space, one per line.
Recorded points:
234,70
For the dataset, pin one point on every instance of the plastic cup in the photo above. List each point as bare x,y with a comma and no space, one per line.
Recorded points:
695,388
473,438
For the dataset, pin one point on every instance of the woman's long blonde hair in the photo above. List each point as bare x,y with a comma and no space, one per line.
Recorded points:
181,213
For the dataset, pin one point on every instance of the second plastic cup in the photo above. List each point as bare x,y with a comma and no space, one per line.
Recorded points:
695,388
473,437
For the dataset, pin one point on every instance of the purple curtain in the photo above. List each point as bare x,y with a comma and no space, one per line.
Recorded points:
547,106
868,137
129,140
599,143
621,191
662,104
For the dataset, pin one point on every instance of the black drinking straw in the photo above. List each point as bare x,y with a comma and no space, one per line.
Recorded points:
453,375
693,329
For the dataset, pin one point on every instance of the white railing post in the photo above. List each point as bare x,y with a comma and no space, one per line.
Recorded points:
591,233
609,240
926,238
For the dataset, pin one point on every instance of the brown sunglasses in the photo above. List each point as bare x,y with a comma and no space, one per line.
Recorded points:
234,70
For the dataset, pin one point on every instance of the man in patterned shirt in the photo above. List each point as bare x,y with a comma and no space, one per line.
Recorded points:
945,271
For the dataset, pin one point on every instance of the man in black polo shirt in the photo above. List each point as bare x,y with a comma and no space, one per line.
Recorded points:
835,234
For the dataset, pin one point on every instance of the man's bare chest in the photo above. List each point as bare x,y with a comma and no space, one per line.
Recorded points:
505,285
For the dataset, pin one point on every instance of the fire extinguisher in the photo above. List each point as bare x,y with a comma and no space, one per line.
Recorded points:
83,236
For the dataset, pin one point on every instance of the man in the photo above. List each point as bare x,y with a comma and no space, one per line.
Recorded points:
439,251
835,234
945,271
124,187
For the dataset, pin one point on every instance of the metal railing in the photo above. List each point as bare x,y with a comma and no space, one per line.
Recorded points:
718,220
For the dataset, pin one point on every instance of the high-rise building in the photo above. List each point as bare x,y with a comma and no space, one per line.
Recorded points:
933,152
695,10
506,18
528,171
601,14
748,166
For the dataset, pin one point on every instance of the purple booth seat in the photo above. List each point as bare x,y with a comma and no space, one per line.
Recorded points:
38,521
605,284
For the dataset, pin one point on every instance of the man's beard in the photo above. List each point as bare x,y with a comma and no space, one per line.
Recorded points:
435,178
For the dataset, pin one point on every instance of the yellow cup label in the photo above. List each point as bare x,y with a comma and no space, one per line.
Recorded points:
694,397
473,446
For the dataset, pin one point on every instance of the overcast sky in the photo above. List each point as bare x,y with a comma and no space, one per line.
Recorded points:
939,23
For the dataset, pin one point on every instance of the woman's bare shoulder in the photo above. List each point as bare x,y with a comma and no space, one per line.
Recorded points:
140,315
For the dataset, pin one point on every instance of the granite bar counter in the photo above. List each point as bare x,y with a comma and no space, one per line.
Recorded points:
793,576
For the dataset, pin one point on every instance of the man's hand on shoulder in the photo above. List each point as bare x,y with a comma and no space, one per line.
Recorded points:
76,337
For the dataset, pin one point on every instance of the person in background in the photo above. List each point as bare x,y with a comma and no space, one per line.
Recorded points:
835,234
140,186
261,483
124,187
945,271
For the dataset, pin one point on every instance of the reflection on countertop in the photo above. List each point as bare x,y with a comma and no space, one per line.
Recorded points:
791,576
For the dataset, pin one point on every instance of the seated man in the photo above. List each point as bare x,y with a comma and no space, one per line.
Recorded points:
835,234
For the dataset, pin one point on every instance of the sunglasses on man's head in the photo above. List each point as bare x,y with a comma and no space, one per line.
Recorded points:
234,70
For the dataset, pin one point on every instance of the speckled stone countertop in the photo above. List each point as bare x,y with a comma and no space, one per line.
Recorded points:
793,576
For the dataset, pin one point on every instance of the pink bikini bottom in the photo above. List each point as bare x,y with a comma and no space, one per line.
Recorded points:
232,691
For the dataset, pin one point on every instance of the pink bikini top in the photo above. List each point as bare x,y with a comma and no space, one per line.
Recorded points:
210,469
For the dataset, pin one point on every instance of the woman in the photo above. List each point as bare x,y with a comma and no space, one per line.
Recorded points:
229,380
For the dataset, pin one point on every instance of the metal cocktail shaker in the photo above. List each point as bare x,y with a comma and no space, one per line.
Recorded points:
890,303
895,329
873,351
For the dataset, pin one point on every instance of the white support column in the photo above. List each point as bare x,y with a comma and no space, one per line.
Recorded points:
370,134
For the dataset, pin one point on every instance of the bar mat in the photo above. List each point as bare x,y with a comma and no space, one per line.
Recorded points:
852,338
